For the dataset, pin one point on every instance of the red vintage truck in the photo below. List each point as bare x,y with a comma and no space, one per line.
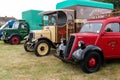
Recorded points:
97,41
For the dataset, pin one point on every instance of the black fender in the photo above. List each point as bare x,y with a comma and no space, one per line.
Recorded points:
89,48
48,40
15,34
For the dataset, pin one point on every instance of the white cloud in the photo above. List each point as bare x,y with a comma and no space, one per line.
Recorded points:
15,7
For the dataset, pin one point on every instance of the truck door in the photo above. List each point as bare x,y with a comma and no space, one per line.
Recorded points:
64,24
23,29
110,40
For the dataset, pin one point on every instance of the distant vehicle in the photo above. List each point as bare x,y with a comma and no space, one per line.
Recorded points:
98,40
8,24
14,35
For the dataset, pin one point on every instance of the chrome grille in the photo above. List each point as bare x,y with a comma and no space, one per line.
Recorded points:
69,45
30,37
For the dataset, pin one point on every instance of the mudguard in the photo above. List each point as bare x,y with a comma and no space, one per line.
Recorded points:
51,43
9,37
79,54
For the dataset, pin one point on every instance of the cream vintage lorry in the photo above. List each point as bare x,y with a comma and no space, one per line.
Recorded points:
56,25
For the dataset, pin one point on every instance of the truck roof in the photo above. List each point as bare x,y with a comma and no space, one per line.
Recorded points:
89,3
110,19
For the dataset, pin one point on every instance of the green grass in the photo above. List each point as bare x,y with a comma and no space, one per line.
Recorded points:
16,64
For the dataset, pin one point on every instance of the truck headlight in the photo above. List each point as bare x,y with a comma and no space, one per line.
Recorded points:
63,41
81,44
3,33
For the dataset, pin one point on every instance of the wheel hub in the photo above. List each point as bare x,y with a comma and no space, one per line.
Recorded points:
42,48
92,62
15,40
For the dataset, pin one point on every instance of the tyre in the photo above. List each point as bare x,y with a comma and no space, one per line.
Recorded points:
28,47
15,40
91,62
42,48
5,41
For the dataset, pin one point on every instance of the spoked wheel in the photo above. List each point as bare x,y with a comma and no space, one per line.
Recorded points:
15,40
91,63
28,47
42,48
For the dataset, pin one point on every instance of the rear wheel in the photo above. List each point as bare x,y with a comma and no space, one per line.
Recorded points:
28,47
15,40
42,48
91,63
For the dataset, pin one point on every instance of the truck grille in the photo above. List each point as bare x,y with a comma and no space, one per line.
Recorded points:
30,37
69,45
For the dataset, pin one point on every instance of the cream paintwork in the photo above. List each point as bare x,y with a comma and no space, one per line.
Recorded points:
53,33
80,20
48,32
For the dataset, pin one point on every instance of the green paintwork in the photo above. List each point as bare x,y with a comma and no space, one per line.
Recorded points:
69,3
16,30
32,17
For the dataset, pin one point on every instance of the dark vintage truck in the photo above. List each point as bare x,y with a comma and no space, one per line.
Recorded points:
16,34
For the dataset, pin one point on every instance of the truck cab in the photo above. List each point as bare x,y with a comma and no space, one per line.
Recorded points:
97,41
14,35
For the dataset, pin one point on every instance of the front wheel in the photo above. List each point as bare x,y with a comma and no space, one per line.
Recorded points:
5,41
91,62
28,47
42,48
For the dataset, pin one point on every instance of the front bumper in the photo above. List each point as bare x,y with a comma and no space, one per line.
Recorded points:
3,38
76,56
61,52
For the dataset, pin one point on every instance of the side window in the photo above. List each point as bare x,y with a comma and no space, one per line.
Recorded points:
23,26
15,25
70,18
112,27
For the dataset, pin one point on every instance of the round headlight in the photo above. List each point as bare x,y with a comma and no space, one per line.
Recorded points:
63,41
81,44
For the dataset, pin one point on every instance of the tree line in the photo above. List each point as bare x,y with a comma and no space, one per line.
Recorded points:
115,2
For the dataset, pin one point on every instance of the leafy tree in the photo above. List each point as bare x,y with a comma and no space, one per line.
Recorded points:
115,2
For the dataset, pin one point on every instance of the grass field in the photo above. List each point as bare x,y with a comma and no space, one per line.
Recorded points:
16,64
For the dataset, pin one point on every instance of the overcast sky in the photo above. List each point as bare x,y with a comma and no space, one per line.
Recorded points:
15,7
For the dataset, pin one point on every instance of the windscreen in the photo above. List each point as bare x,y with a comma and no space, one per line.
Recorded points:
49,20
91,27
15,25
59,18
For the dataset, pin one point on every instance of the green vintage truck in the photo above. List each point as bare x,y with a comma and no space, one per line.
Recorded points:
16,34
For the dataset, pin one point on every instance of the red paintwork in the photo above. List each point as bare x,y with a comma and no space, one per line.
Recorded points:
104,40
92,62
15,40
